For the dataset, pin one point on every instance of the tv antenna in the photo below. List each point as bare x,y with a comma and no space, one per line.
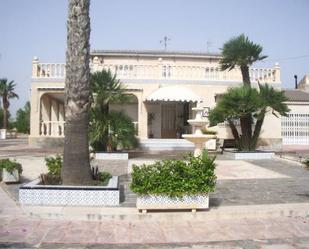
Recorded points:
165,41
208,45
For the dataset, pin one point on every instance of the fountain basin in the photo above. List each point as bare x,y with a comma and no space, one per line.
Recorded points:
197,122
198,138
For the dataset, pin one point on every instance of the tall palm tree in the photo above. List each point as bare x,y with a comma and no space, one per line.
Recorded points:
6,92
76,165
240,51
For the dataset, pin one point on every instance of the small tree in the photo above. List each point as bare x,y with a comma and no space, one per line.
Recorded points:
23,119
242,101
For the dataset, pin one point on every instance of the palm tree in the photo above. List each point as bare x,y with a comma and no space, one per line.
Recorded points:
240,51
271,101
6,92
106,89
76,165
239,102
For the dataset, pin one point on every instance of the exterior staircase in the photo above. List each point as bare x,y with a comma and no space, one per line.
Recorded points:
156,144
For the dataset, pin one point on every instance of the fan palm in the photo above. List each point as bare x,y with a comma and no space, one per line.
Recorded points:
240,51
238,102
273,101
106,89
6,92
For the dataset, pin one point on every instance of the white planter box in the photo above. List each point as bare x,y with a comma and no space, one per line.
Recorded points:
35,194
2,133
111,156
10,177
258,155
148,202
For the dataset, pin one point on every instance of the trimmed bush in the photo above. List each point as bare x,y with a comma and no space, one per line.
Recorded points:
175,178
10,166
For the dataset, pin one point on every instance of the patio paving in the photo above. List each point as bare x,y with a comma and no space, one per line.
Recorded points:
252,207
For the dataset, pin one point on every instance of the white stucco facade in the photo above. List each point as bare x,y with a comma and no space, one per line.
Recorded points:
143,73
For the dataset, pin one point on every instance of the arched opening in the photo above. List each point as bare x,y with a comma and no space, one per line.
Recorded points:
52,114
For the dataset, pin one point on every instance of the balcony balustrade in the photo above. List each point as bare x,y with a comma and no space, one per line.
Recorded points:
52,128
172,72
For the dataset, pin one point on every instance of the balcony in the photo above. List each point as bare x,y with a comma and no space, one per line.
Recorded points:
159,71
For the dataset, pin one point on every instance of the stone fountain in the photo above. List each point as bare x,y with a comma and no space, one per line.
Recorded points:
198,138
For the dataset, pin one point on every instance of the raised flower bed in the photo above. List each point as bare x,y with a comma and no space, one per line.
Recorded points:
47,190
174,184
34,193
249,155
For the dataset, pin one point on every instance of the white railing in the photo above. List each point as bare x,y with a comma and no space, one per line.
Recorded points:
52,128
160,71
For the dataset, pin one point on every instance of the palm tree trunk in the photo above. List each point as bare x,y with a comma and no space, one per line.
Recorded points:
245,75
6,106
233,129
246,124
76,165
5,118
257,129
246,131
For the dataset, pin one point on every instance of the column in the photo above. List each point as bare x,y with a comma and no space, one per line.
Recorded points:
35,65
142,119
277,73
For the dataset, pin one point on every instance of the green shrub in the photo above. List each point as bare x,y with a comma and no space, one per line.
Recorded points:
54,165
104,177
10,166
175,178
100,177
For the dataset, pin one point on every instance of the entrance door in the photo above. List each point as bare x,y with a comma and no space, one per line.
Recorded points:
168,120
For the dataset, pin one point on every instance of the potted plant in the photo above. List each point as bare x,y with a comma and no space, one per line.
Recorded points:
175,184
11,170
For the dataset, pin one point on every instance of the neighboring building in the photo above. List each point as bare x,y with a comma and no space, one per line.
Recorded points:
166,85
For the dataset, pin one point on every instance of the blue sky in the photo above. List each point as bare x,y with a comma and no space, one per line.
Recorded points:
31,28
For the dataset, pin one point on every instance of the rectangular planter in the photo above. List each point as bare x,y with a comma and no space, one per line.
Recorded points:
255,155
149,202
35,194
10,177
2,133
111,155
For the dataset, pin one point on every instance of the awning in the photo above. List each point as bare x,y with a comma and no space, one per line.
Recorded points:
173,93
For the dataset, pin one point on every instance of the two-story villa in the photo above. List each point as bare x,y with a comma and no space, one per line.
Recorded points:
166,85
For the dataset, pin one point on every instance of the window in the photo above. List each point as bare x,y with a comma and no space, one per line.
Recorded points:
166,71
